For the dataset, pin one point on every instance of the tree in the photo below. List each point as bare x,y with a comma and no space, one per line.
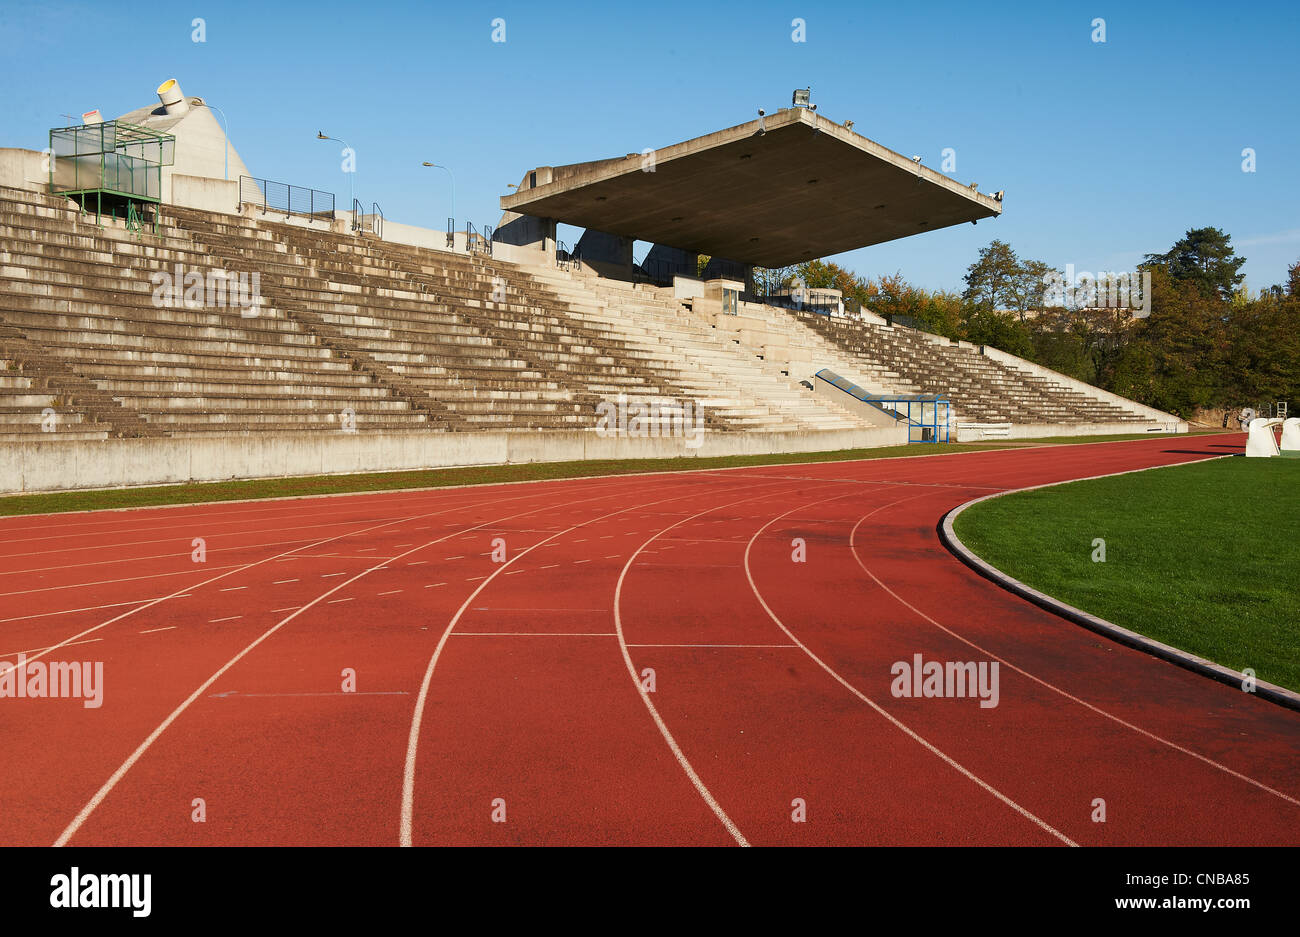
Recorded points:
823,274
1205,257
990,280
1000,281
768,280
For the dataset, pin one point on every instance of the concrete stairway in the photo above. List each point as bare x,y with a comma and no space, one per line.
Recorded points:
476,338
352,332
980,389
704,362
82,315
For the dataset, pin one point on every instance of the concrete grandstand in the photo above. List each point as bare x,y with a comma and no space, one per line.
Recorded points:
201,328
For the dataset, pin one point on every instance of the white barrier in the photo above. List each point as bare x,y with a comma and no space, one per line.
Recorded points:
1260,441
973,431
1290,446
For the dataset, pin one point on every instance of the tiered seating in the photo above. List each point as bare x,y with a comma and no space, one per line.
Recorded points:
79,306
27,413
696,356
478,339
356,332
979,388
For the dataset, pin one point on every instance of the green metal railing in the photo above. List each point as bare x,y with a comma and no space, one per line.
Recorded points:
113,159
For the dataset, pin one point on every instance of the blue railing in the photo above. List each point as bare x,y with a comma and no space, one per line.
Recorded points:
927,415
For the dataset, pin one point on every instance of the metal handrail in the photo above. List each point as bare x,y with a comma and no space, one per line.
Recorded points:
451,232
564,258
377,219
290,199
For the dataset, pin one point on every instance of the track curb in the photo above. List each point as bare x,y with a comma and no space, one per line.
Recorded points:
1206,668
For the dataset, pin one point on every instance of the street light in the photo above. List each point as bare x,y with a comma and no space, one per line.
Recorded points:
352,193
453,185
225,129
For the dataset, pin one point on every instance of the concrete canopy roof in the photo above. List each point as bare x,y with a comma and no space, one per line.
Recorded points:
807,188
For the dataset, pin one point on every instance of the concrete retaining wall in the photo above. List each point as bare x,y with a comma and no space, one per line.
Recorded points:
215,195
53,465
23,169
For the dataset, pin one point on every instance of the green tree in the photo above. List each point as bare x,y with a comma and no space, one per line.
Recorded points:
1205,257
1000,281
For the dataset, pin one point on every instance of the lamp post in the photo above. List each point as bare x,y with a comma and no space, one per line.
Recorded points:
453,185
352,194
225,130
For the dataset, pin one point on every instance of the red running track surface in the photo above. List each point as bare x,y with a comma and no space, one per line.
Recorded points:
518,690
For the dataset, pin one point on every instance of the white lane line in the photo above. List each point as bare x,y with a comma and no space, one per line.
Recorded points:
434,585
337,601
98,797
156,630
534,608
229,693
331,575
413,739
417,563
280,582
458,557
713,645
391,592
109,582
897,723
214,621
682,760
34,650
139,559
205,522
549,566
232,588
1055,689
89,608
535,634
290,608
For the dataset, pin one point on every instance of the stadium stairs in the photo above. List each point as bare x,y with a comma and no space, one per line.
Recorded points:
395,337
382,337
776,343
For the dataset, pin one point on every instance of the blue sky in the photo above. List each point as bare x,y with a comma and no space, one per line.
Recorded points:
1106,150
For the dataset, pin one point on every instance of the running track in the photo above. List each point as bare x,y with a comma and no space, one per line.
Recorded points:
521,680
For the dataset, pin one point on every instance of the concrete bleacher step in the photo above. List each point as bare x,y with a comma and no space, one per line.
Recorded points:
408,337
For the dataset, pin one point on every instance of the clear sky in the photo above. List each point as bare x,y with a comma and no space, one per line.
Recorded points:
1107,151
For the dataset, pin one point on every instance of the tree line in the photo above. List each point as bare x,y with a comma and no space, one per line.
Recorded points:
1199,340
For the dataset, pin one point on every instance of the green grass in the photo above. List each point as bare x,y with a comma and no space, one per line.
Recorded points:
1203,556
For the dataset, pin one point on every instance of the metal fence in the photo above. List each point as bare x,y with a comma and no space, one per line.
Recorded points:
282,197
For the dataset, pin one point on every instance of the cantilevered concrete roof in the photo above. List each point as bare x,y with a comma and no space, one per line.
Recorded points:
806,188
